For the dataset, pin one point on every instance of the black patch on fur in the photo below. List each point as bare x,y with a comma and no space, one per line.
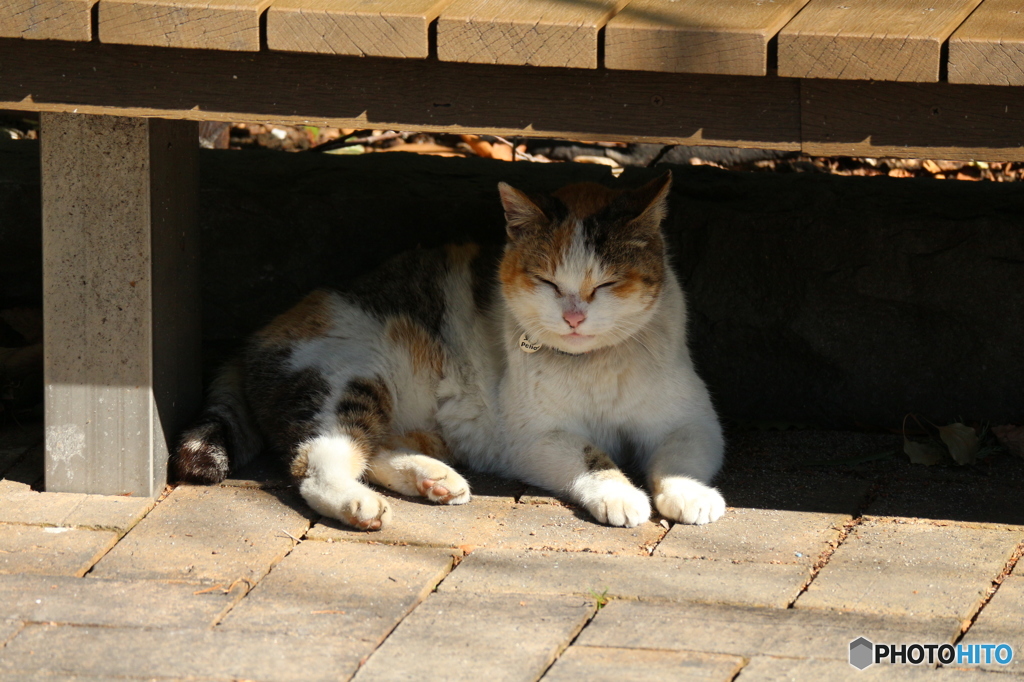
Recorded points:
409,284
595,460
208,463
365,411
284,403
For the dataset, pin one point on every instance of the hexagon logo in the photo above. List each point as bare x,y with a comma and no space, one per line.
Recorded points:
862,653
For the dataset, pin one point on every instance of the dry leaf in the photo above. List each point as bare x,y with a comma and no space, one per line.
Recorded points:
502,152
1011,437
962,442
922,453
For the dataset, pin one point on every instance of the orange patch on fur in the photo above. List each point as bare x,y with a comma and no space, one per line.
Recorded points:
308,319
424,442
461,255
628,286
512,273
426,353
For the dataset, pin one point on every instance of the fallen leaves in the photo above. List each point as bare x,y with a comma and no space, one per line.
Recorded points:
962,441
1011,437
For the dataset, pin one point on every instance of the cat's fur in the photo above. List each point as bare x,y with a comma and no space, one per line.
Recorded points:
420,365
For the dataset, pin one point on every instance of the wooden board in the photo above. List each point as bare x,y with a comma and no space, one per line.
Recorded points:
895,40
989,48
403,94
518,32
46,19
696,36
912,120
374,28
205,24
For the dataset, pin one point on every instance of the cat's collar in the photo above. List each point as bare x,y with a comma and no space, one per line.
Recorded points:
528,346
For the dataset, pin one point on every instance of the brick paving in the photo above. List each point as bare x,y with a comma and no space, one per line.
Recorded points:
243,582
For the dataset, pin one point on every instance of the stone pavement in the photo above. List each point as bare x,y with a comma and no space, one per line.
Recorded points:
243,582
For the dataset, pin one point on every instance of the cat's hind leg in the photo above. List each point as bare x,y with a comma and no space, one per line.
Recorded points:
329,465
411,464
332,466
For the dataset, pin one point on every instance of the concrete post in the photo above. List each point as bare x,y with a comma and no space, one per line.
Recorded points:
121,298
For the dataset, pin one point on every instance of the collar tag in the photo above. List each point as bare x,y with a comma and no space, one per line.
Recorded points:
528,346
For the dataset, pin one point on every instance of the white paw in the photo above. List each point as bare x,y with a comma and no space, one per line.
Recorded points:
354,504
414,474
444,486
618,503
689,501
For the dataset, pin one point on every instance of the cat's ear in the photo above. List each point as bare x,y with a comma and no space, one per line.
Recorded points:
521,213
651,202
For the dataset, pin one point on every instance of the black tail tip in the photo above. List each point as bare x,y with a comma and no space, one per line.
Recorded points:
201,456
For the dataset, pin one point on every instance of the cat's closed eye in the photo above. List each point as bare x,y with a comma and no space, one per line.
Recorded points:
549,283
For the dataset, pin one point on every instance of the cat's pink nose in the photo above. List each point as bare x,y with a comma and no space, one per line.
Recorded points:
574,317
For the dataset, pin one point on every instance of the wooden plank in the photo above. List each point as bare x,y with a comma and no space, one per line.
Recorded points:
989,48
895,40
47,19
519,32
118,242
206,24
353,92
373,28
695,36
913,120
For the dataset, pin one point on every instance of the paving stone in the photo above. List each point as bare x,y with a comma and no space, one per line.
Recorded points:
894,567
51,551
653,578
208,533
610,664
8,628
429,525
746,631
769,669
81,601
204,654
948,493
342,589
45,677
535,495
20,504
762,535
109,512
1002,621
498,638
556,527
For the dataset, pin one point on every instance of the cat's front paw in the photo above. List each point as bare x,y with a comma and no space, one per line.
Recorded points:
618,503
689,501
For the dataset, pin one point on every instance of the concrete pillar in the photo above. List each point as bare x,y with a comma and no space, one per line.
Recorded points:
120,298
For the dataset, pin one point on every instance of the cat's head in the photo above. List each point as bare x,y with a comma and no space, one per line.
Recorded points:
584,268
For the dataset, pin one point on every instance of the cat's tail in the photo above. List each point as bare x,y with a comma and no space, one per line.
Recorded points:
224,435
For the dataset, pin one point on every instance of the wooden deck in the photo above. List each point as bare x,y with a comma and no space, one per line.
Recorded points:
921,41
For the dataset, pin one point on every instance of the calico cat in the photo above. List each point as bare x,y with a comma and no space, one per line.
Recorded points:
554,362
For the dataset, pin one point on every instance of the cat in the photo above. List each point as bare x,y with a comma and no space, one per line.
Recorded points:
555,361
